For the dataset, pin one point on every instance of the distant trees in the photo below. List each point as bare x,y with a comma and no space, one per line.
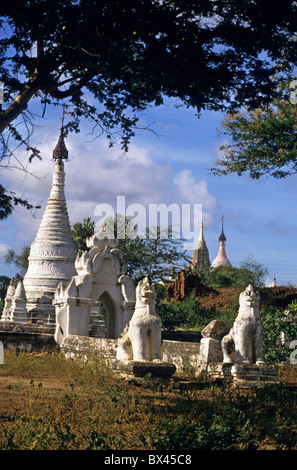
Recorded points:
153,254
81,231
258,272
20,260
4,283
250,272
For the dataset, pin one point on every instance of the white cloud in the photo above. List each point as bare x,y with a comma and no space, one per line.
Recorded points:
97,174
196,192
3,250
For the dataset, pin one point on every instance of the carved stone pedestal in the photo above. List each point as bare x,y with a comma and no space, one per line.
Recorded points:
142,370
243,375
253,374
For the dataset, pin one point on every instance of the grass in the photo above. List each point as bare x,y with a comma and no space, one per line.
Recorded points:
52,403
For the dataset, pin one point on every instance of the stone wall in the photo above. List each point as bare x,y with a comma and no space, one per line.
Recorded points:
17,337
34,338
180,353
183,350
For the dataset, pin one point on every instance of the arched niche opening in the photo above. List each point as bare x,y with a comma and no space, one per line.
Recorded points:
98,320
103,317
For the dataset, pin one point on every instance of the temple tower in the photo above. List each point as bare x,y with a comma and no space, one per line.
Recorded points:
53,253
200,253
221,259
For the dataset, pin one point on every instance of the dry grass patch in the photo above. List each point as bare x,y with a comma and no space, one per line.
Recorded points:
52,403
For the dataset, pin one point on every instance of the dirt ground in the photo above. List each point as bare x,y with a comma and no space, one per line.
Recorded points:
279,297
219,298
16,393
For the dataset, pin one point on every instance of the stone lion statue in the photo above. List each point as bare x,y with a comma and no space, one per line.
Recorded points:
243,344
141,339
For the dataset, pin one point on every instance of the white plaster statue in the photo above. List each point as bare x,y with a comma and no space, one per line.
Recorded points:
243,344
141,339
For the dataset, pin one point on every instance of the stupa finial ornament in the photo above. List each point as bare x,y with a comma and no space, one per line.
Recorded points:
60,152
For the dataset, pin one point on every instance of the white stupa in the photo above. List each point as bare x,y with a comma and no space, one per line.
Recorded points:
221,258
53,252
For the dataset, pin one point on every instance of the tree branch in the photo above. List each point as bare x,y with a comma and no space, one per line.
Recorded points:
54,91
20,103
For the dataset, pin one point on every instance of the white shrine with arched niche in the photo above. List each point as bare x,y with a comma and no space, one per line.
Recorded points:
101,275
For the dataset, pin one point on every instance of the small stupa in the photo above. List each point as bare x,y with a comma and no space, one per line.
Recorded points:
200,254
221,259
53,252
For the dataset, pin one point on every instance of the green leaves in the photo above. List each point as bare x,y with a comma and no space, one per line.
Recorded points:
124,56
81,231
21,260
151,255
277,334
263,141
208,55
250,272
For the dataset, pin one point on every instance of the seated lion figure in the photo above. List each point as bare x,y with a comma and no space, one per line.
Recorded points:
141,340
243,344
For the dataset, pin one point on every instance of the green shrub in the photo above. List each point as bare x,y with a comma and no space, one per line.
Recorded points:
250,272
236,420
186,313
274,327
227,315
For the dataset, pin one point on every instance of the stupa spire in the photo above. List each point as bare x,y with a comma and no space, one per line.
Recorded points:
55,221
222,237
200,253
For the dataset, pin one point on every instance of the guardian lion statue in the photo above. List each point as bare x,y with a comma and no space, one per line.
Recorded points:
141,339
243,344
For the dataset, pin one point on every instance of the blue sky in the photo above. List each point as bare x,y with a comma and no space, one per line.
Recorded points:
259,216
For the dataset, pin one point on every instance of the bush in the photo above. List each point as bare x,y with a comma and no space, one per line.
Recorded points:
275,328
227,315
236,420
186,313
250,272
